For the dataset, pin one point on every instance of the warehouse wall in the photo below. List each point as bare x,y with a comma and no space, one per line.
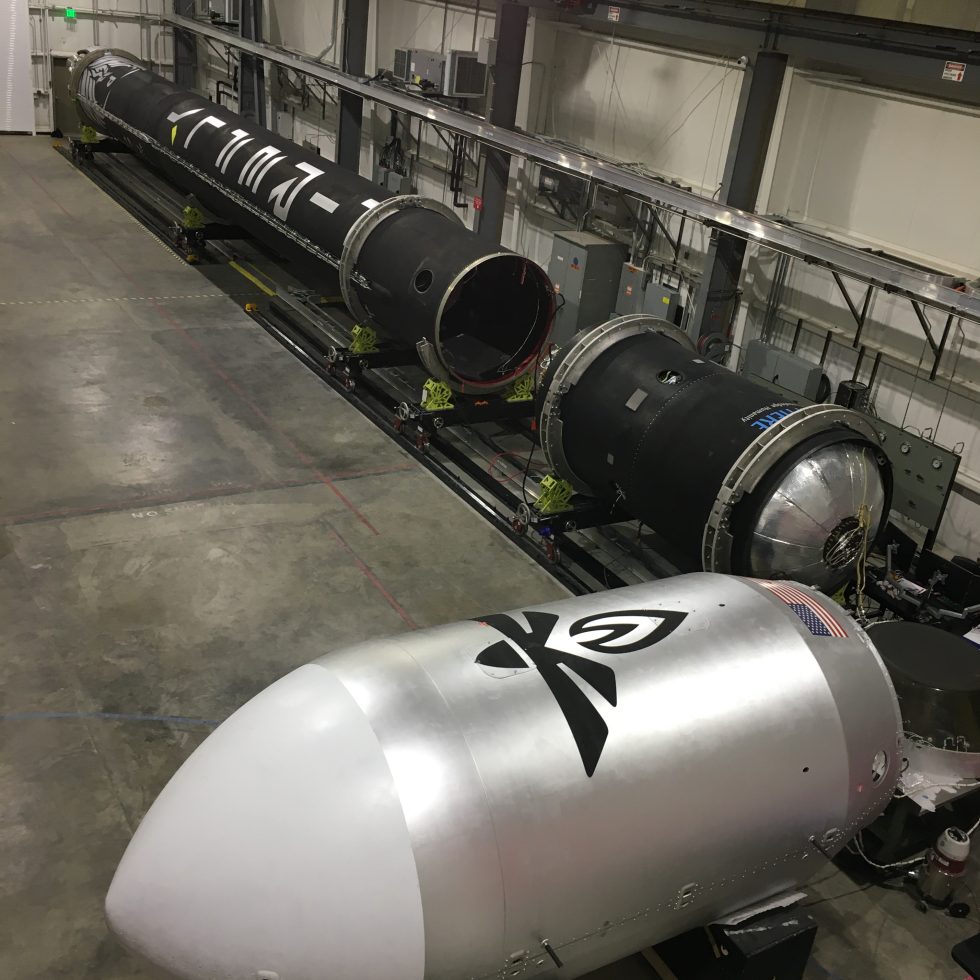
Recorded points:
666,110
962,14
126,24
892,172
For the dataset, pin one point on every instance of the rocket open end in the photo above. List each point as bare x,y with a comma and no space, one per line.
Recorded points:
495,319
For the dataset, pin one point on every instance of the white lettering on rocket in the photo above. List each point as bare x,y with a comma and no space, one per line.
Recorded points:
282,201
254,162
210,120
224,157
175,117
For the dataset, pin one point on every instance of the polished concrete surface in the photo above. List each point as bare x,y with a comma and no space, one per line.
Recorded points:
185,515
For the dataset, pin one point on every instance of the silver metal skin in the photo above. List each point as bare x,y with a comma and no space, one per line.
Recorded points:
887,274
586,347
792,536
599,774
795,533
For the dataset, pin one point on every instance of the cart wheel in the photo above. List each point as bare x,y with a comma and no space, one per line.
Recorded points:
521,520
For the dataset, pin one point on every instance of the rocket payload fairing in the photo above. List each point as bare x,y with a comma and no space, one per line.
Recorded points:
589,776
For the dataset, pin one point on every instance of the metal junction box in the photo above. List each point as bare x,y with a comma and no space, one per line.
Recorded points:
653,299
782,368
415,65
465,76
630,298
661,301
585,270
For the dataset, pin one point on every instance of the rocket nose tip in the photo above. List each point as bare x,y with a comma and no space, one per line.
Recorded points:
279,846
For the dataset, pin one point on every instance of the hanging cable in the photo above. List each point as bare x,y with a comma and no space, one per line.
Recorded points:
907,862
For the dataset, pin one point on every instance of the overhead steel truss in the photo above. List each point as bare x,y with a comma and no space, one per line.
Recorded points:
921,286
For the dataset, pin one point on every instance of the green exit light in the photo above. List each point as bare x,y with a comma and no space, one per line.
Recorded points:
69,13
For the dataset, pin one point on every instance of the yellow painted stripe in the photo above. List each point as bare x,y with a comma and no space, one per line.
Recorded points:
253,279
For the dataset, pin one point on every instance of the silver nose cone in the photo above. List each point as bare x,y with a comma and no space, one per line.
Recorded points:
279,850
815,523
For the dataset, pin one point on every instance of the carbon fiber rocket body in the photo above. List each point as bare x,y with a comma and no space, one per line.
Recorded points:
477,313
733,476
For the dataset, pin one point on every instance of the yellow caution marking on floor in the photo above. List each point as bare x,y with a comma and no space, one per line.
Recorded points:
252,279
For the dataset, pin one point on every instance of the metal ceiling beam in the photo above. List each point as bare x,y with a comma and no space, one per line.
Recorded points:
185,49
891,276
906,56
511,33
354,53
758,100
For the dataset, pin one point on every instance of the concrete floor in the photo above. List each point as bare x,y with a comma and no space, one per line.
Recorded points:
186,514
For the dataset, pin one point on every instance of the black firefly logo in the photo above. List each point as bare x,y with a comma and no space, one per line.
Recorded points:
607,630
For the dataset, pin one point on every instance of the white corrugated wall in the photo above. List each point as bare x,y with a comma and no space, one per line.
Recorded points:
16,97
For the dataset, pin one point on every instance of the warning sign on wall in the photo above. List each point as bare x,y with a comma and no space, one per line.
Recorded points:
954,71
613,13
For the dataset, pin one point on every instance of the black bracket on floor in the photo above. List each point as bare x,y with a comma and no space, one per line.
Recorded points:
775,945
584,512
82,149
348,366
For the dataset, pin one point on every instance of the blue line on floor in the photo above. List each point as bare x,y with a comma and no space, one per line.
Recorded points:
107,716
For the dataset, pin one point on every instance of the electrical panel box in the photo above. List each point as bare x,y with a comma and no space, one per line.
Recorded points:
392,180
924,474
487,54
465,76
416,66
653,299
630,297
661,301
780,367
585,270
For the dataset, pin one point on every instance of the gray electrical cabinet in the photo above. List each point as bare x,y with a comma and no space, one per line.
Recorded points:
416,65
661,301
782,368
585,270
652,298
630,298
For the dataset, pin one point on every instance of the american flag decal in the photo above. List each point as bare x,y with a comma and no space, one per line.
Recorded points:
815,618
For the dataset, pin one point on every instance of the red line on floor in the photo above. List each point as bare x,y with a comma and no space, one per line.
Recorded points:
141,503
377,471
301,456
375,581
